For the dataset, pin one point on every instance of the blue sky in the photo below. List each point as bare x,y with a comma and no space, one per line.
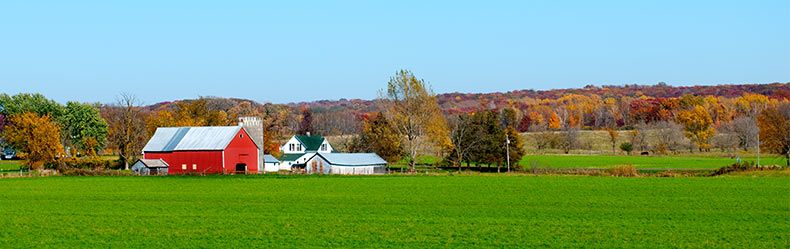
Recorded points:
290,51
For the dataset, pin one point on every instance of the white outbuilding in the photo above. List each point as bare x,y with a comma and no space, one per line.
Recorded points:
270,163
345,164
150,167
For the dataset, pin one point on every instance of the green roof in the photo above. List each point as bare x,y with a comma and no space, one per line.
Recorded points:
290,157
311,142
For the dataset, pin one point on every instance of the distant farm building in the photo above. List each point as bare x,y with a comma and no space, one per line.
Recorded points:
271,164
150,167
216,149
300,148
345,164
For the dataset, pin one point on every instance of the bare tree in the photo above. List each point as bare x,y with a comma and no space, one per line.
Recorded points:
668,136
570,138
126,123
744,129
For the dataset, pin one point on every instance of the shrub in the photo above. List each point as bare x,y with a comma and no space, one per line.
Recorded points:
627,147
623,170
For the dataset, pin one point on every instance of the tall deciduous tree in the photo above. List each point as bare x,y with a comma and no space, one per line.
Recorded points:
465,136
697,124
126,126
411,108
36,137
774,125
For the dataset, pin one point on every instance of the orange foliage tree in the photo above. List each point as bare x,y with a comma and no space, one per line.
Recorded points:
36,137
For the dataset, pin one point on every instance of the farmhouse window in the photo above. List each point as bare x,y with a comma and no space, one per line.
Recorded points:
323,147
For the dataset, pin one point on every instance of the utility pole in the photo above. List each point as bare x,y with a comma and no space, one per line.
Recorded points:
758,146
507,147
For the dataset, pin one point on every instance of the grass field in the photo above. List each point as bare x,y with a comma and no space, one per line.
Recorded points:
458,211
6,166
607,161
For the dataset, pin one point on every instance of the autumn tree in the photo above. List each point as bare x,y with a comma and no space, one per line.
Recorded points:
612,138
379,137
306,124
36,137
126,127
83,128
516,146
697,124
774,123
411,107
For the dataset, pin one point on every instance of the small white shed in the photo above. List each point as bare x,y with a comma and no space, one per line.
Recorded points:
346,164
270,163
150,167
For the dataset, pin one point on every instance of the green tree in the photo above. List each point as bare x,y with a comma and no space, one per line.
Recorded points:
83,128
411,107
627,147
27,102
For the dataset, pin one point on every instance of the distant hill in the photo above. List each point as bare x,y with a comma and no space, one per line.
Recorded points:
465,102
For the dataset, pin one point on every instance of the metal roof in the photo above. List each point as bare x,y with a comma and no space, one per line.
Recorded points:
270,159
191,138
154,163
352,159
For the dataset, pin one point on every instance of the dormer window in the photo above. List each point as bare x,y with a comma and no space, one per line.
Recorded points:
323,147
291,146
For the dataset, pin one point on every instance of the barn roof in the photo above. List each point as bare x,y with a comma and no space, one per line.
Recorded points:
270,159
352,159
191,138
310,142
153,163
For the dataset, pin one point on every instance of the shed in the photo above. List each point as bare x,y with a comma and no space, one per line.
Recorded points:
271,164
208,149
346,164
150,167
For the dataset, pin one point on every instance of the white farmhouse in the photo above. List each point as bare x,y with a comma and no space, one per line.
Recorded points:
300,148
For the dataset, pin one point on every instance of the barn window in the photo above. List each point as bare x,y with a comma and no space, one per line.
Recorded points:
183,166
241,135
194,166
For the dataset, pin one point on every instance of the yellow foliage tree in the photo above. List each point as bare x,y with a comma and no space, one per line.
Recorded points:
36,137
697,125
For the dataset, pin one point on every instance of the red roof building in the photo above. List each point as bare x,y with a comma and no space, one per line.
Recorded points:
215,149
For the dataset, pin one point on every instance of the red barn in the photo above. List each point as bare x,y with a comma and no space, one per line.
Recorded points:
214,149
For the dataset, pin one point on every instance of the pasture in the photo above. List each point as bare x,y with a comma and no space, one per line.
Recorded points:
458,211
684,161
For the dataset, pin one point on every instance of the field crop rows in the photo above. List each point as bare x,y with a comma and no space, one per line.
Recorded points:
394,211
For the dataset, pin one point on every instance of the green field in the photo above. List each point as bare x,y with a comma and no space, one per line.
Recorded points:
458,211
6,166
608,161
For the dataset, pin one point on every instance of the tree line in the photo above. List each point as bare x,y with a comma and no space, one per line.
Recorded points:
406,121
